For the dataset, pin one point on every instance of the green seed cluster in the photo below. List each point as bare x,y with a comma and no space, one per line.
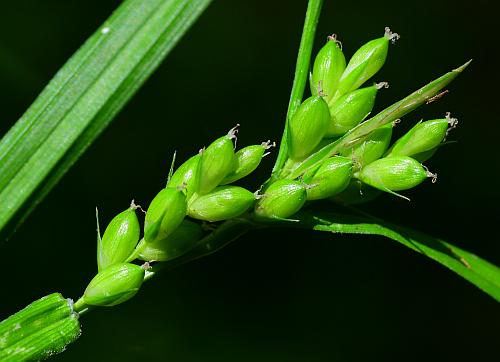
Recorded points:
360,171
198,190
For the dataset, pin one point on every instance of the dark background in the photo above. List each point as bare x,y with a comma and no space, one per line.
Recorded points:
271,296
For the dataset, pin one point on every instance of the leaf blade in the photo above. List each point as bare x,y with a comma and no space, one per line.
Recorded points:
84,96
477,271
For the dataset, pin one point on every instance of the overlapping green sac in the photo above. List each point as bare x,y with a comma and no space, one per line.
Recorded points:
371,149
176,244
165,213
224,202
217,161
365,63
246,161
393,173
328,68
281,199
119,239
114,285
307,127
423,139
187,176
351,108
331,178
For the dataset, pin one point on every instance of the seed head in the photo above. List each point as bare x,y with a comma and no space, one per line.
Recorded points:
328,67
331,178
281,199
114,285
307,127
423,138
393,173
371,149
217,162
246,161
224,202
187,176
350,109
366,62
119,240
165,213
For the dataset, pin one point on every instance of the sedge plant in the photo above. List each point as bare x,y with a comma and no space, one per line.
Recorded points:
332,149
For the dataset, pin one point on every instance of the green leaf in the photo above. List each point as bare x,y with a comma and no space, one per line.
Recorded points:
84,96
479,272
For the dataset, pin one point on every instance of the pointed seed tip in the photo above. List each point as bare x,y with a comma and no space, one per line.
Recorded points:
463,66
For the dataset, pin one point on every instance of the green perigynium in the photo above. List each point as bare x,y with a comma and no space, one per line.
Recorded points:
365,62
351,108
372,148
328,68
394,173
165,213
114,285
281,199
217,161
187,176
308,127
224,202
119,239
331,178
246,161
423,138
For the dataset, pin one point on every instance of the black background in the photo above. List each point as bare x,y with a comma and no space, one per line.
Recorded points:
271,296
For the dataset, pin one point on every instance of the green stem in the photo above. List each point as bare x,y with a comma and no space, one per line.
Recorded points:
80,306
300,77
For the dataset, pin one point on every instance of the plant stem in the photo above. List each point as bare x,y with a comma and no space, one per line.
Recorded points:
300,77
